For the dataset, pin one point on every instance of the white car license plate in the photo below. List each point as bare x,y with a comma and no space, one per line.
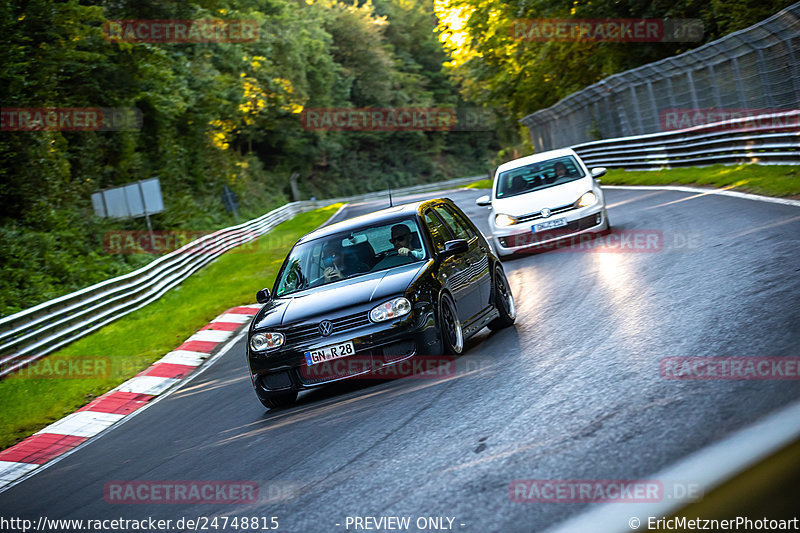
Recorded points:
327,353
550,224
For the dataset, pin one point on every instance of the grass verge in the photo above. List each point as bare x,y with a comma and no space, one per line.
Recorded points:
130,344
770,180
482,184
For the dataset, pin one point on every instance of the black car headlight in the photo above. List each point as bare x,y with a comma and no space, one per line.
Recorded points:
391,309
266,341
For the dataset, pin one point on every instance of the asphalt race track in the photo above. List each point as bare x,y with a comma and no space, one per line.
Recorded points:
573,391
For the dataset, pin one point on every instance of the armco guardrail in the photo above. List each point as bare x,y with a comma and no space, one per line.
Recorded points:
33,333
765,139
754,68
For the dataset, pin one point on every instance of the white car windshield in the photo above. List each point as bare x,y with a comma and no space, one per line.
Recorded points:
538,176
351,254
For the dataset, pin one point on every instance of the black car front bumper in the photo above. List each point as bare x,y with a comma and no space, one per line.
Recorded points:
377,346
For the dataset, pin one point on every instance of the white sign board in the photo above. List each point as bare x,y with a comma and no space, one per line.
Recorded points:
129,201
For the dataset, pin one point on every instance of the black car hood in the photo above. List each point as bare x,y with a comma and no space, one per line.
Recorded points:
328,299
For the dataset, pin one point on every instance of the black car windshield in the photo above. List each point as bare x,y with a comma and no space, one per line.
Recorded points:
537,176
351,254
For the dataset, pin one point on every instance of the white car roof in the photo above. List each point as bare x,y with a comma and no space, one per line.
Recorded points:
535,158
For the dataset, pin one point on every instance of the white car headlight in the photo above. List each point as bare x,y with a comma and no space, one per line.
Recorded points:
391,309
587,199
266,341
504,220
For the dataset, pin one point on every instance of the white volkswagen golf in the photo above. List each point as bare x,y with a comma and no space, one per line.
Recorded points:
543,198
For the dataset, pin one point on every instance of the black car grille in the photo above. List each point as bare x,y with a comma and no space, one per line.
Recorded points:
538,214
306,332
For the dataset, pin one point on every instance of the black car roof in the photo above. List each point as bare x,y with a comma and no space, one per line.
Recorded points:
370,219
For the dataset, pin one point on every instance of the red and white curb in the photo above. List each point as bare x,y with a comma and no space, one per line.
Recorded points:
104,411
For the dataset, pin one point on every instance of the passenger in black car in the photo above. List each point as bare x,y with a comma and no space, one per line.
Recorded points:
337,264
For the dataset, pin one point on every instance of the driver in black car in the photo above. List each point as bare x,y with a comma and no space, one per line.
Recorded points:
403,241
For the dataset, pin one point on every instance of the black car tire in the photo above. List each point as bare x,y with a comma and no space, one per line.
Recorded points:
450,327
503,302
278,399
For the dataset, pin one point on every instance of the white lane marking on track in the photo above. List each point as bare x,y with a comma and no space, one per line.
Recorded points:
151,385
210,335
699,190
11,470
634,199
236,318
128,417
336,214
184,357
82,424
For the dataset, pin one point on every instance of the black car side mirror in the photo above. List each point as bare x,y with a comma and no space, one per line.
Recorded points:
458,246
263,296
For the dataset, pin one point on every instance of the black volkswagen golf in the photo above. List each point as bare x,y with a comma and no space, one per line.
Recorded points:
409,281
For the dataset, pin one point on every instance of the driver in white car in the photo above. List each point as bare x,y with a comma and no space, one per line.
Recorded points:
403,242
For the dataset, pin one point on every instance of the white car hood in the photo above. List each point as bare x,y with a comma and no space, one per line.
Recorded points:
550,197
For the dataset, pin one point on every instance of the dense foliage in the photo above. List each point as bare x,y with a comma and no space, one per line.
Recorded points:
228,114
521,76
214,114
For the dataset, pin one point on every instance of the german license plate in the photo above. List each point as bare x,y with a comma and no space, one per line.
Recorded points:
327,353
550,224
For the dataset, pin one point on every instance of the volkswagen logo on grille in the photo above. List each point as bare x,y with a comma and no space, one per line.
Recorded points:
545,212
325,328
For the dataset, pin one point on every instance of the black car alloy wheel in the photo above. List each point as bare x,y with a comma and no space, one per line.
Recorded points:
452,334
503,301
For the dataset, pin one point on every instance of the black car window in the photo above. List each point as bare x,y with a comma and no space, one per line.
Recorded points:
457,225
439,232
350,254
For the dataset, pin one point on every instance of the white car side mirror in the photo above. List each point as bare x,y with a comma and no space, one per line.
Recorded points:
484,201
598,171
